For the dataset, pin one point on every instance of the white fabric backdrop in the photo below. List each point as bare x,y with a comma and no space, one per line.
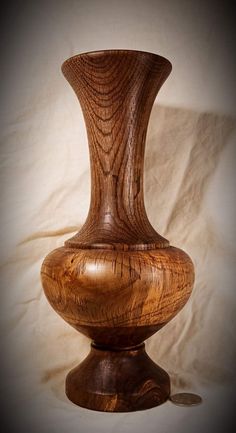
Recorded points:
190,199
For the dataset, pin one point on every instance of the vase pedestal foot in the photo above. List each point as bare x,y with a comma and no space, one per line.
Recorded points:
117,380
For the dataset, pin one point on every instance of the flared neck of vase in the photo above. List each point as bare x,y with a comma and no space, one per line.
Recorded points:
116,90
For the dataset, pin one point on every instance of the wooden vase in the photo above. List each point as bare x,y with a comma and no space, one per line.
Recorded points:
117,280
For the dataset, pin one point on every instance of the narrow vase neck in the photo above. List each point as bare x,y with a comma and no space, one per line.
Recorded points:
116,90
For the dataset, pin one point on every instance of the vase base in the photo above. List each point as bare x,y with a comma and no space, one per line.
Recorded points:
117,380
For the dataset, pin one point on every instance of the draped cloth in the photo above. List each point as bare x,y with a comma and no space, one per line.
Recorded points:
45,192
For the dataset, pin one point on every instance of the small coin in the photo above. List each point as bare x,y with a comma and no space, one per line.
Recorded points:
185,399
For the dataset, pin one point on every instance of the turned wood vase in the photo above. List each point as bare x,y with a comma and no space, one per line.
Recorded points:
117,280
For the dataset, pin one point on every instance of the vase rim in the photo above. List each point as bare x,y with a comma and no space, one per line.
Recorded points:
94,53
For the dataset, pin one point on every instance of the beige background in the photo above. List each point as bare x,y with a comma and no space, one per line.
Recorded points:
189,195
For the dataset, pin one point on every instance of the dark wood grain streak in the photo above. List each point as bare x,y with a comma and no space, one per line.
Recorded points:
117,288
116,91
117,281
128,380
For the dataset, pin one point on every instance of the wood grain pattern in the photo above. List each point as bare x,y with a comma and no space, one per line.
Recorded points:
117,288
117,281
116,90
125,379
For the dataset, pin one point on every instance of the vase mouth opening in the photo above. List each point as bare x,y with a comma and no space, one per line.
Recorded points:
116,52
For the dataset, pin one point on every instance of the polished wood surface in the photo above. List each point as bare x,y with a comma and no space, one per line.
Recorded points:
116,90
117,281
94,289
125,379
